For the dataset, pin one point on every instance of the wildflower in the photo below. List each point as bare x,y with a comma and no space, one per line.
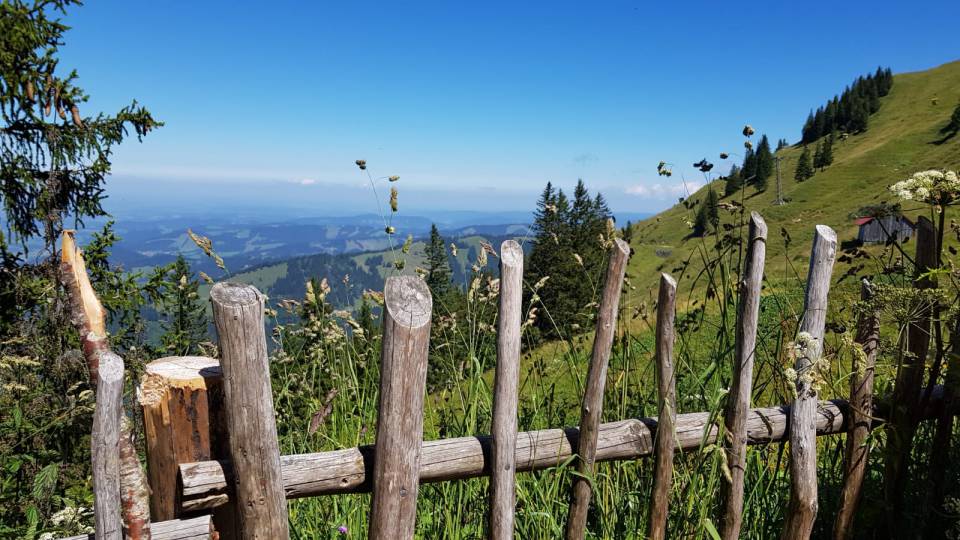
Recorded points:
203,275
578,258
393,199
748,145
362,163
343,529
406,244
390,229
393,178
538,285
453,249
932,187
747,131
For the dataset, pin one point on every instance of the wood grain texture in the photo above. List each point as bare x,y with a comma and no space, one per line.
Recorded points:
403,378
741,387
204,484
667,392
505,394
857,452
182,402
105,447
903,422
593,393
249,413
802,510
197,528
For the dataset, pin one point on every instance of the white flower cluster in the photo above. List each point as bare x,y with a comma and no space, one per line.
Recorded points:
933,187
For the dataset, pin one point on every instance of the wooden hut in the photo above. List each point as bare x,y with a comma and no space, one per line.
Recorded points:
878,230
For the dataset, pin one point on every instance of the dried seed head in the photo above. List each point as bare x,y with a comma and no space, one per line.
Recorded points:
724,155
453,249
362,163
390,229
748,145
747,131
393,199
393,178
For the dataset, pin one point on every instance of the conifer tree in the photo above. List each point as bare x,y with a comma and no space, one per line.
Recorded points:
185,318
733,181
764,158
953,126
818,156
438,276
708,214
826,155
749,171
804,167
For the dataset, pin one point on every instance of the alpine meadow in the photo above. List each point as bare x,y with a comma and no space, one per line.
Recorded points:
338,276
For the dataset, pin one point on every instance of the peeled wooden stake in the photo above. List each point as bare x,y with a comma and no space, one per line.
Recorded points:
803,425
666,422
505,389
407,307
593,395
248,409
738,401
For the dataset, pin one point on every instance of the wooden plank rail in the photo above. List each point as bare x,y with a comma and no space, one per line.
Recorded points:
407,308
593,394
505,393
203,484
198,528
248,410
803,446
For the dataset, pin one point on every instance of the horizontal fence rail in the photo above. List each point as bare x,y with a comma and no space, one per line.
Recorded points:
203,484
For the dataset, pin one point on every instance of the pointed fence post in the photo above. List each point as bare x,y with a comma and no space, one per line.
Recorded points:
249,413
803,413
407,307
857,453
738,401
593,394
666,422
505,389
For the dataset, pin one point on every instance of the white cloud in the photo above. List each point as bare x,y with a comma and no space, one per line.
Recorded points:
662,191
307,182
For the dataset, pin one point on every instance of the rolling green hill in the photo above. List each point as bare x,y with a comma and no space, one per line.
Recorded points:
903,137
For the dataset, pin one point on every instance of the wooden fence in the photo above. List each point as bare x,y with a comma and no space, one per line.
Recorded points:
215,469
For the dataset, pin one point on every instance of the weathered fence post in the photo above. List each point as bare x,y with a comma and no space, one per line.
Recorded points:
803,426
857,454
248,409
105,451
593,394
666,422
403,377
937,517
738,400
906,392
505,389
182,402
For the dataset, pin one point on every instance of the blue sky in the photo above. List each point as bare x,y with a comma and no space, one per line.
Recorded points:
474,104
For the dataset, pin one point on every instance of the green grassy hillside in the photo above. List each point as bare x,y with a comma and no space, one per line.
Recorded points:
903,137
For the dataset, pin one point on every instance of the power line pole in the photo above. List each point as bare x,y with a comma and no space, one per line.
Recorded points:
779,200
